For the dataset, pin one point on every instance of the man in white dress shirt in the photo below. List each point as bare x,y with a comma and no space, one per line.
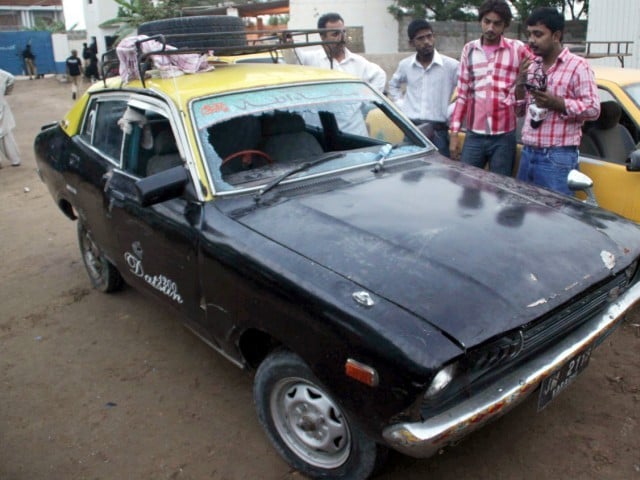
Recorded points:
428,80
336,56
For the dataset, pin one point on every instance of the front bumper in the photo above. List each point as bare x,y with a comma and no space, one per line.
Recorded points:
423,439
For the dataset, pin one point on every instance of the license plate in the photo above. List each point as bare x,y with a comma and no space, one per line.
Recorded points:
563,377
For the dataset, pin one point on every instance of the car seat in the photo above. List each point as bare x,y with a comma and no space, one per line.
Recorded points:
285,137
235,135
587,145
613,140
165,154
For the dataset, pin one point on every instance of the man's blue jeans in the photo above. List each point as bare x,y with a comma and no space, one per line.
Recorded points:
548,167
497,150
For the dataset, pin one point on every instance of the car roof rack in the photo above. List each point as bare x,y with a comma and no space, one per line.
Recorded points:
216,43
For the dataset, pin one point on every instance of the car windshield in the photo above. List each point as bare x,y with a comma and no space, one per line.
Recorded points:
250,138
634,93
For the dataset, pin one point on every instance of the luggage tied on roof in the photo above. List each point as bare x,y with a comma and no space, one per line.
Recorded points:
172,65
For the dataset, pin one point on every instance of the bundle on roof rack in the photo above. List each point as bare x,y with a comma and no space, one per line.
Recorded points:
131,49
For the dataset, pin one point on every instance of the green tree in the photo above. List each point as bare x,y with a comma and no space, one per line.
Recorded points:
466,9
45,24
278,19
524,7
576,8
436,9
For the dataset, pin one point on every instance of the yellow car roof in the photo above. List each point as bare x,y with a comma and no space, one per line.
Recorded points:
620,76
229,78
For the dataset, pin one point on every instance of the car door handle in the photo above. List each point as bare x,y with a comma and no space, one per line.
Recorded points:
114,199
74,160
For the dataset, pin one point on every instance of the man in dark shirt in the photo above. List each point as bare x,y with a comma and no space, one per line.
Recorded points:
74,70
86,54
29,62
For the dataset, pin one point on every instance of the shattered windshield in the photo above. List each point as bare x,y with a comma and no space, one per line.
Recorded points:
250,138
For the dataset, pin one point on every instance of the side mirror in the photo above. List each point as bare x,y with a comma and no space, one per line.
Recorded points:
162,186
579,182
633,163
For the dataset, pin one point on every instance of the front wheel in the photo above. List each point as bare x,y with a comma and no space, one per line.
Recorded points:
306,426
104,276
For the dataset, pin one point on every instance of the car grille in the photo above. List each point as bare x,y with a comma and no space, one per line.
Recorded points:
541,332
484,364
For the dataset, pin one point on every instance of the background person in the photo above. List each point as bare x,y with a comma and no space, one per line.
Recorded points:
8,144
29,60
86,54
74,70
91,70
488,71
562,95
428,79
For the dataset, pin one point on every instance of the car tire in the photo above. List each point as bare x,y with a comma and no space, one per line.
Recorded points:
176,30
306,426
103,274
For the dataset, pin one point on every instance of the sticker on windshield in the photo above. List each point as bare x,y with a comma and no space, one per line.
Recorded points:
212,110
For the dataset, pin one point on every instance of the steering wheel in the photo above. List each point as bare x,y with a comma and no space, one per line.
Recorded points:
247,157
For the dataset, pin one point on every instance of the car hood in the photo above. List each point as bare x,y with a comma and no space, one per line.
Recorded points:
472,253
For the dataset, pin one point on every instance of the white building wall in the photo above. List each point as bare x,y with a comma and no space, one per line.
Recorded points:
615,20
96,13
380,28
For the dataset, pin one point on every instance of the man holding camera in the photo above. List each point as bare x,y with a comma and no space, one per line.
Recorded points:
556,93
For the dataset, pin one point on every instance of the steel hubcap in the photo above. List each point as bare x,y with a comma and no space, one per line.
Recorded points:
310,423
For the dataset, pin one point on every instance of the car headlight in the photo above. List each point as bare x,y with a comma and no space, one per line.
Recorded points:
441,380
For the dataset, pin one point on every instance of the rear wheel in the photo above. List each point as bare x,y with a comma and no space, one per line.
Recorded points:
176,31
306,426
104,276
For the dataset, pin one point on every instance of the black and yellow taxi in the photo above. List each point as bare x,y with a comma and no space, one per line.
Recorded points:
385,296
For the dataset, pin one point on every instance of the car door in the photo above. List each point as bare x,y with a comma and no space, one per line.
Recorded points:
615,188
157,245
92,156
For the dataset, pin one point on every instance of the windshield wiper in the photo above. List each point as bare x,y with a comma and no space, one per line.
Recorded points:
288,173
384,152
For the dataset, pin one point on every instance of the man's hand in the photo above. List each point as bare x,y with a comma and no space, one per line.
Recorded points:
454,146
523,71
547,100
521,79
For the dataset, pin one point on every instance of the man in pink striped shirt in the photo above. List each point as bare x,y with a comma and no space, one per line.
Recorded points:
488,71
556,92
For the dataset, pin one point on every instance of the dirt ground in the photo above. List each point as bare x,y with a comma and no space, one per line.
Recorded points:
96,386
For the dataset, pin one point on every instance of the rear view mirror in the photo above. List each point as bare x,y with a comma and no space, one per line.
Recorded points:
633,163
162,186
579,182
